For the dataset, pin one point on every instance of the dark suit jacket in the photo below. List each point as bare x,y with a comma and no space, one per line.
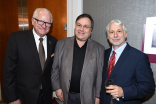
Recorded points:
132,72
22,75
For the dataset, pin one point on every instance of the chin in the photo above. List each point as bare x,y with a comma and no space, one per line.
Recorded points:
43,32
81,39
117,44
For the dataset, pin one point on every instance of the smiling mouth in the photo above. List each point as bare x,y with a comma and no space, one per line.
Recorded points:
81,32
117,39
43,29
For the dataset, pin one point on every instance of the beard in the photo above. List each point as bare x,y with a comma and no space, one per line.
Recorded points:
118,44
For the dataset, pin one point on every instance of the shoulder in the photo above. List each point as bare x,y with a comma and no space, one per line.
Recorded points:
65,40
135,51
108,49
52,38
135,54
63,43
20,34
96,44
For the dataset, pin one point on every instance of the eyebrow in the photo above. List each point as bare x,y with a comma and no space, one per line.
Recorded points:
41,20
117,29
83,25
44,21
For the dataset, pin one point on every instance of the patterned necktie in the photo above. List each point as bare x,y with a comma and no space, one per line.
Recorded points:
111,64
41,53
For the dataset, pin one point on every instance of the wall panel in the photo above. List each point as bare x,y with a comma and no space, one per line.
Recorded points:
8,24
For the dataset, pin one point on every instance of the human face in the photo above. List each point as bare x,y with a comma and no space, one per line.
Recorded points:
41,30
83,29
116,35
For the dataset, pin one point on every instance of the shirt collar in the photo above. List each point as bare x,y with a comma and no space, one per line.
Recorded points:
120,49
36,36
75,43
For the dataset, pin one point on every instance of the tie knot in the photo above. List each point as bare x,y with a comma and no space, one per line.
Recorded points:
114,53
41,39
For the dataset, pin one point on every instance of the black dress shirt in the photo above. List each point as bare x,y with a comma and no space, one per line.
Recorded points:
78,60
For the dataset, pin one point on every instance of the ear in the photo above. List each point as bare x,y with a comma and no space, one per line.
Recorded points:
91,30
107,35
126,35
32,20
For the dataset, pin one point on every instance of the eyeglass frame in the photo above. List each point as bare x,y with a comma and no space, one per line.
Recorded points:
43,22
84,26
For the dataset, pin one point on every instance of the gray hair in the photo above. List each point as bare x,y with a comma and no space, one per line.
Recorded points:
116,22
42,9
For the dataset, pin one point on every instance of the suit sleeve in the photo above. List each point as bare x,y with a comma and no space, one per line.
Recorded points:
9,72
144,84
55,77
100,64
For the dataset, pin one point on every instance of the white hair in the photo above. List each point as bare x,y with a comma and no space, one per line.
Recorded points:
42,9
116,22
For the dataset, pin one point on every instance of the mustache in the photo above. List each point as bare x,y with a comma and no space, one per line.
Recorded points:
81,31
115,38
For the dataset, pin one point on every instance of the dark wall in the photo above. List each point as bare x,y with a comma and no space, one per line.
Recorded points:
132,12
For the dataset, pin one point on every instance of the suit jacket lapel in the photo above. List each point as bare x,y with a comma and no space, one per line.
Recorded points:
33,47
87,56
49,48
70,54
107,54
120,60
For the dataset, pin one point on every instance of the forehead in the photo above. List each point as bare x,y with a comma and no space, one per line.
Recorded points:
43,15
84,20
115,27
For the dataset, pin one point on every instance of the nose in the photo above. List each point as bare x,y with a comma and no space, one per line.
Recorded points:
44,25
81,28
116,34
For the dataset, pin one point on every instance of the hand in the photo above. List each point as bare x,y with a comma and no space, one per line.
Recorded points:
97,101
16,102
115,91
59,94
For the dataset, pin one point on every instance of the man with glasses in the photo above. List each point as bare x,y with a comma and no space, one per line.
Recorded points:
77,69
28,62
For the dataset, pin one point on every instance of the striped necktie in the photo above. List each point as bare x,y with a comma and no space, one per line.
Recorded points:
111,64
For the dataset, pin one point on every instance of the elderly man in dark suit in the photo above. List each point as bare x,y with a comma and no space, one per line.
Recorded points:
77,67
28,62
128,67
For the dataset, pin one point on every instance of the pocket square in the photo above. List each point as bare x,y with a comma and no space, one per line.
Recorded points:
116,98
52,55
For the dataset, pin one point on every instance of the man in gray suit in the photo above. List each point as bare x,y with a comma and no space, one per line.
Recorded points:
77,68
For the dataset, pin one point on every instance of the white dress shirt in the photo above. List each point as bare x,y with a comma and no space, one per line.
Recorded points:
44,42
118,52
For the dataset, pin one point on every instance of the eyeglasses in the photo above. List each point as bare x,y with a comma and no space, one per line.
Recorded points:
40,22
84,26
